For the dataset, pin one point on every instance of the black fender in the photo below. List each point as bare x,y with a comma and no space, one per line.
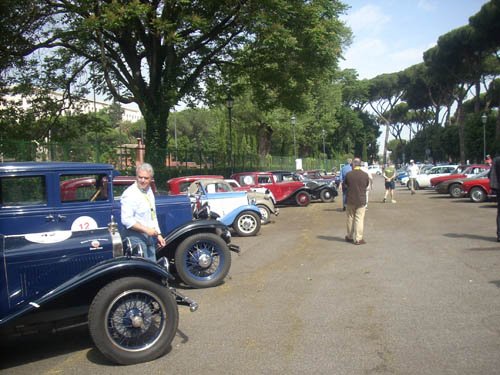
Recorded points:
96,277
332,189
193,227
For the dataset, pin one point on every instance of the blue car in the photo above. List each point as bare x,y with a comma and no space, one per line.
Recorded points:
402,177
234,208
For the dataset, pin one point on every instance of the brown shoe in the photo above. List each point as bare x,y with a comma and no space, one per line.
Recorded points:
360,242
347,239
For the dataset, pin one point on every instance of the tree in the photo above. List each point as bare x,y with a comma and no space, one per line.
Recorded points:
157,53
385,93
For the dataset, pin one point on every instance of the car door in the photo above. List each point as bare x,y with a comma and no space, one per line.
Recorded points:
26,204
266,181
34,264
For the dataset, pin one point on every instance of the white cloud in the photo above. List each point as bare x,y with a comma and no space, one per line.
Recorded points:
406,58
427,5
368,18
364,56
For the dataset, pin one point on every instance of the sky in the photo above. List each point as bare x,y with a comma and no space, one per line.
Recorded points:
391,35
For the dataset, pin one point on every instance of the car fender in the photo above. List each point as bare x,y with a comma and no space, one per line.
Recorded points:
99,275
231,216
193,227
306,189
326,187
291,196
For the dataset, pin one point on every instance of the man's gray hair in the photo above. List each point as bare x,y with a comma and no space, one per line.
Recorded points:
356,162
146,167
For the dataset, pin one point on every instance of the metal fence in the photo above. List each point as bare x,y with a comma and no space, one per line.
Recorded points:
181,162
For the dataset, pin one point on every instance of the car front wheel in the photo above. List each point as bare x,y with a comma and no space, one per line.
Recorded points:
247,224
133,320
265,213
477,195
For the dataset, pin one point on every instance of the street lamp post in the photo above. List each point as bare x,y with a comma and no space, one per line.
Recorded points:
294,121
484,119
324,151
229,105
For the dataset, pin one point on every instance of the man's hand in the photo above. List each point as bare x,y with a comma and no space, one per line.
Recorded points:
161,241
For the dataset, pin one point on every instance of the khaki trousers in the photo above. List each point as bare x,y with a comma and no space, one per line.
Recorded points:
355,222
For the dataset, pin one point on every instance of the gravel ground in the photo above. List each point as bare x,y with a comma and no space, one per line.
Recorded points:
421,297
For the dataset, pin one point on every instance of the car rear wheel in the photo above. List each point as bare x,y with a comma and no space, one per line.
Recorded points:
303,198
133,320
247,224
477,195
265,213
455,191
326,196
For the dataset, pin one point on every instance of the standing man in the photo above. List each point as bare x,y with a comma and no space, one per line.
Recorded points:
390,183
357,182
412,175
495,185
365,169
138,211
343,172
488,160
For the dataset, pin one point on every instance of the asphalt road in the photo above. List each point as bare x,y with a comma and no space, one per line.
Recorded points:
421,297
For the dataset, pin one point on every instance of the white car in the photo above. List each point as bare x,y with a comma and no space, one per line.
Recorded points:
375,169
424,179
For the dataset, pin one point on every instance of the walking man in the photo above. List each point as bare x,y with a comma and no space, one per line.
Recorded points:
495,185
357,182
390,183
343,172
412,175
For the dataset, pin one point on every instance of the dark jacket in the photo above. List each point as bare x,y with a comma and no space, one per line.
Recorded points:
357,182
495,174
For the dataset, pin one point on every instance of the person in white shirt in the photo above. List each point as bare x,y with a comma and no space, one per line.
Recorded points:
365,169
412,175
138,213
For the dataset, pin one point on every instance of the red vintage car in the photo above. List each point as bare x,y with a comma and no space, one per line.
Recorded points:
462,171
286,192
180,185
86,188
478,189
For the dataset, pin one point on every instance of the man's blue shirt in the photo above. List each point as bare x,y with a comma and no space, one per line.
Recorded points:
345,169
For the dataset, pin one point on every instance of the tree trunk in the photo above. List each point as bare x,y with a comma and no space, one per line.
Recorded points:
461,131
477,101
386,141
264,138
156,120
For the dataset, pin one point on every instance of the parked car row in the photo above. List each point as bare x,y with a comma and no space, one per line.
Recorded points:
232,199
469,181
